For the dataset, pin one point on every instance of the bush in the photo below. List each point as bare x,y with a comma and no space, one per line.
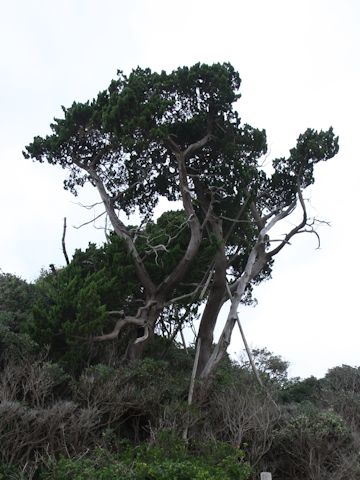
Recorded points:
28,433
133,396
152,463
314,444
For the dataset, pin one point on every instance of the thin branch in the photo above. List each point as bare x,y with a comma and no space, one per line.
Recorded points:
183,341
248,351
183,297
174,147
88,207
234,220
237,218
63,243
207,283
192,385
309,228
90,221
149,304
193,294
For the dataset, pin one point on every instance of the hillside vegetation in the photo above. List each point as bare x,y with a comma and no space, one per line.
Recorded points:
74,408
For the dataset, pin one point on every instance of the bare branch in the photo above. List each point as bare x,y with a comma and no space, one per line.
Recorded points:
118,326
117,197
174,147
90,221
314,232
88,207
63,244
309,228
204,281
237,218
148,305
145,336
183,297
197,145
296,229
195,239
121,230
192,385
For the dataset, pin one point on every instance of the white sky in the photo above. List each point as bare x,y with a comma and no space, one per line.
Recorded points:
300,65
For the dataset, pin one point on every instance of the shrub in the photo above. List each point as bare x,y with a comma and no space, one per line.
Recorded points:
314,444
133,396
28,433
152,463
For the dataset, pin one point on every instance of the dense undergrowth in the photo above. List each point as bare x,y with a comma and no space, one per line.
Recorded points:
90,415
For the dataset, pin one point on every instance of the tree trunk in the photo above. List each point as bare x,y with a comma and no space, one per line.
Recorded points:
212,309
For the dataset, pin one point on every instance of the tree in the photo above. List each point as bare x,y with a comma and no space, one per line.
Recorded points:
82,298
179,136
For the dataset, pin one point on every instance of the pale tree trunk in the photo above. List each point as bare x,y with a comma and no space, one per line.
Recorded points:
257,260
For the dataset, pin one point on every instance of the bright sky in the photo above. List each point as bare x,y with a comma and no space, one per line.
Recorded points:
300,65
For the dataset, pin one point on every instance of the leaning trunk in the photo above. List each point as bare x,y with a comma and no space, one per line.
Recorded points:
212,309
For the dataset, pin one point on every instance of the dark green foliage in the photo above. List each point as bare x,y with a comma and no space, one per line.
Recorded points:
174,461
272,368
299,391
163,244
126,125
16,300
16,297
71,304
340,391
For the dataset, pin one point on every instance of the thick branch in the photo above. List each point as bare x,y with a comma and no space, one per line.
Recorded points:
197,145
118,326
121,230
296,229
195,239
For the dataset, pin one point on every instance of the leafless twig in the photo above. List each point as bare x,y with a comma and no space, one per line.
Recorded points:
63,243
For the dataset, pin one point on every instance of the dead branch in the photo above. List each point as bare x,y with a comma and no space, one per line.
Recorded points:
192,385
246,345
90,221
63,244
88,207
296,229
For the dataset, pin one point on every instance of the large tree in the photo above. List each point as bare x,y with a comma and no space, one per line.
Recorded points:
179,136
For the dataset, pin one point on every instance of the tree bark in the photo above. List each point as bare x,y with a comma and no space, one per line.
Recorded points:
212,309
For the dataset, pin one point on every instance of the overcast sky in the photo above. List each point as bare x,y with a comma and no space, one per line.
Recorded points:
299,61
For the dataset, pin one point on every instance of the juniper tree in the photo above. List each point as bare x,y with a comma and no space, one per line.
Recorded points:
179,136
